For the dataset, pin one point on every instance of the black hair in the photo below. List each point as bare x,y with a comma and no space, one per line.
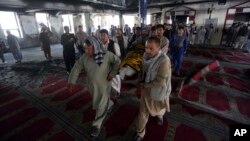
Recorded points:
87,42
154,39
138,28
160,26
104,31
181,27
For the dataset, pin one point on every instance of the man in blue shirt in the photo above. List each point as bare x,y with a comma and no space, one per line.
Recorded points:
178,44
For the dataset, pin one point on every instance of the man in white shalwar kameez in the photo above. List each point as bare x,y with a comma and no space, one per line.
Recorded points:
155,86
101,67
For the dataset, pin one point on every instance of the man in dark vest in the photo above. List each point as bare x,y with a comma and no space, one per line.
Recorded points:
68,40
113,47
108,44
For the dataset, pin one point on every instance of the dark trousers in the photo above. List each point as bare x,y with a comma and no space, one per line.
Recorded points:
177,57
69,59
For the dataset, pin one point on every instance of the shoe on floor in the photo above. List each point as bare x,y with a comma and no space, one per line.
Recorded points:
95,132
110,110
159,121
138,138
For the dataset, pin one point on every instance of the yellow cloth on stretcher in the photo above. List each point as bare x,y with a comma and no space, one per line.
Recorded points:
134,57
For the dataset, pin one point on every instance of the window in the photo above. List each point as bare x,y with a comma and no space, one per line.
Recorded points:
148,19
11,23
129,20
105,21
97,21
68,21
42,20
187,22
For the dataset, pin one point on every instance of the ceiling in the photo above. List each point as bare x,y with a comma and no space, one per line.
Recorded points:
78,5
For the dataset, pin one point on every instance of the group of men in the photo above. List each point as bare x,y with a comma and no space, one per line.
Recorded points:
101,62
14,48
237,35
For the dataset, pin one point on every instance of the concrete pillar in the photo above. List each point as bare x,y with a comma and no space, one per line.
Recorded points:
88,23
143,11
121,21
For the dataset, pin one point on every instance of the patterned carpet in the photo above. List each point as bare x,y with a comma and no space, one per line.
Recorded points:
35,104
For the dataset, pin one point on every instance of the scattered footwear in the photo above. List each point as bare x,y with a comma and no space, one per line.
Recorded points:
95,132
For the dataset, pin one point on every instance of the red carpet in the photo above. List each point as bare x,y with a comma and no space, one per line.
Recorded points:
247,73
59,85
11,107
127,87
49,80
155,132
241,54
88,115
229,56
230,70
2,85
61,136
79,101
233,59
190,93
200,66
246,60
214,79
238,84
219,57
174,83
187,64
4,90
243,105
217,100
7,97
228,53
14,121
186,133
138,92
63,95
192,111
121,120
33,132
207,54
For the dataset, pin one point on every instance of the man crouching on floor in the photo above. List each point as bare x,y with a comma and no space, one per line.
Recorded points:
100,66
155,86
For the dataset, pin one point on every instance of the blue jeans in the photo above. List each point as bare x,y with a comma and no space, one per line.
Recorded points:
177,56
248,45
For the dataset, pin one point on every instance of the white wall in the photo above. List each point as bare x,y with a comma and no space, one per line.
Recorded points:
201,16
